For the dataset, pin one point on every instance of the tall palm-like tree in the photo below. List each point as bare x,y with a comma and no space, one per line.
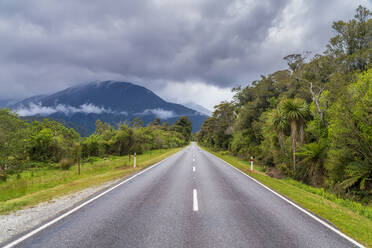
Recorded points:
293,109
280,124
305,116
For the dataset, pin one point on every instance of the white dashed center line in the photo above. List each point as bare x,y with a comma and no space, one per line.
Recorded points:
195,206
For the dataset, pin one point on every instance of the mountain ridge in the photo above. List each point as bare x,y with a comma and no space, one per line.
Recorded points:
110,101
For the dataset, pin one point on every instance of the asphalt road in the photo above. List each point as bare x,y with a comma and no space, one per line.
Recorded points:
192,199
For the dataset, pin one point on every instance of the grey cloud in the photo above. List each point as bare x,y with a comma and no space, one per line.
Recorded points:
49,45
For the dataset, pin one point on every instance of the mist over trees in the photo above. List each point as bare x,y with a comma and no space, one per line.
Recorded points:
312,121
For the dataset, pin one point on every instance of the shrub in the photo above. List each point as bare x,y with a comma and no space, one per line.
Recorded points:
3,176
66,163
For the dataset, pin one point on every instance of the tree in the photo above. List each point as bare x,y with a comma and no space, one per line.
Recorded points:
99,127
316,74
121,140
350,134
91,146
13,137
165,126
305,116
295,111
136,123
205,135
280,124
294,61
184,126
353,41
43,146
155,122
77,154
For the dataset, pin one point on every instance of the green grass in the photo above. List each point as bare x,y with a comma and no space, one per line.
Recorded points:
352,218
38,185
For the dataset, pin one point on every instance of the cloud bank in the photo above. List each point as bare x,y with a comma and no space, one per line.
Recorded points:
33,109
37,109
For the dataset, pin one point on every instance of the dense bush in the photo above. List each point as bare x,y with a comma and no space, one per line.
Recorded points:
312,121
46,143
135,139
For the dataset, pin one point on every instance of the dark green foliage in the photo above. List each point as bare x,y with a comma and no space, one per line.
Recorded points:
311,168
13,140
47,143
24,145
135,138
183,126
50,141
350,134
217,130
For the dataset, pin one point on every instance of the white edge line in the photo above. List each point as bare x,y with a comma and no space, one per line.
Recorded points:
295,205
19,240
195,197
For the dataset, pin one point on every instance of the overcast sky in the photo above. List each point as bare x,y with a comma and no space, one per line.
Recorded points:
184,50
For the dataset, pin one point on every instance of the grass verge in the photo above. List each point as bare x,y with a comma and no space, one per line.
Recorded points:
351,218
39,185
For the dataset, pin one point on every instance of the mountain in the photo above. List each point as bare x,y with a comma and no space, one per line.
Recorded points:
4,103
109,101
199,108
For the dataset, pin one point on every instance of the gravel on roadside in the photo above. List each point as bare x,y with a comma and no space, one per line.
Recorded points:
23,220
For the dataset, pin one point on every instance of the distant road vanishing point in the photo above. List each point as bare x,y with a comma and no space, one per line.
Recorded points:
191,199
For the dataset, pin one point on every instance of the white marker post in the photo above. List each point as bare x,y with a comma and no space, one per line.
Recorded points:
134,160
251,163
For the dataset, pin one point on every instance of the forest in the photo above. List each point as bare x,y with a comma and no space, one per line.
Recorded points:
312,121
47,143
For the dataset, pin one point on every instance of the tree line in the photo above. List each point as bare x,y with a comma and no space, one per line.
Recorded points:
48,143
312,121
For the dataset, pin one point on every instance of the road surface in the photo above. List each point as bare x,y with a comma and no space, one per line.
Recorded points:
192,199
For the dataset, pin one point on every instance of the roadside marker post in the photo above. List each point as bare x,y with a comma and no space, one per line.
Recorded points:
251,163
135,158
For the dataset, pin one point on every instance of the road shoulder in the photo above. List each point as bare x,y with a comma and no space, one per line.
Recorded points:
24,220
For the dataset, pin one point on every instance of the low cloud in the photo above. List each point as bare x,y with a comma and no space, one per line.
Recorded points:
159,113
33,109
38,109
